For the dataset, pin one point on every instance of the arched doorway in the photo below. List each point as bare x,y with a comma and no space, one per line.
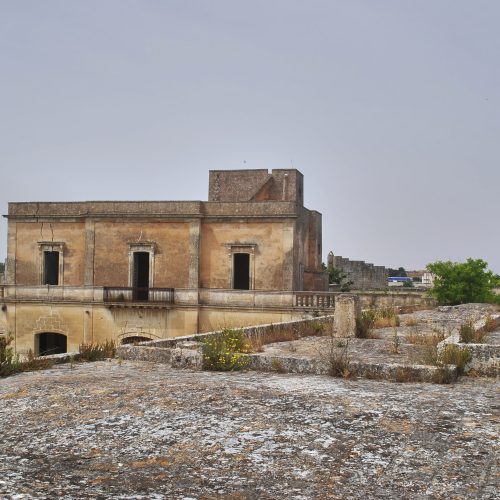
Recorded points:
48,343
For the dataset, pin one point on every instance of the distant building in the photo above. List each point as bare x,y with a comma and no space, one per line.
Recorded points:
428,279
399,280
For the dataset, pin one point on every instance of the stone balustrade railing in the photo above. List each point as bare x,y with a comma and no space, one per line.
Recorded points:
255,299
134,294
320,300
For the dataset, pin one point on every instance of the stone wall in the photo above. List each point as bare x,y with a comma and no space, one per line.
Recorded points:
364,276
256,185
399,300
484,357
307,326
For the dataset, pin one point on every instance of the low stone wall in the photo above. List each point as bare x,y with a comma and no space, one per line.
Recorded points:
154,354
65,357
485,358
147,351
394,372
402,301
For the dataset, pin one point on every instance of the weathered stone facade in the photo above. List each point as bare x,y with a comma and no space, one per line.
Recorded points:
96,270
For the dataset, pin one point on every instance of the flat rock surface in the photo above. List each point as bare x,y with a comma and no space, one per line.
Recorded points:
360,350
143,430
383,348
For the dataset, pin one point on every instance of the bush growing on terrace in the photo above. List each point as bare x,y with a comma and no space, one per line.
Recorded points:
463,282
223,351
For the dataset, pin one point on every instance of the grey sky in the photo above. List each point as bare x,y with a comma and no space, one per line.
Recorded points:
390,109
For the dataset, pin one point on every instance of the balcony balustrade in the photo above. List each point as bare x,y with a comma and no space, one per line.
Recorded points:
180,296
134,294
319,300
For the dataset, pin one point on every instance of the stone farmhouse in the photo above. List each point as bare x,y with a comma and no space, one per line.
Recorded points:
82,272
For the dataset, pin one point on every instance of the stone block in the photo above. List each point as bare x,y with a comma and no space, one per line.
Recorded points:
187,358
347,313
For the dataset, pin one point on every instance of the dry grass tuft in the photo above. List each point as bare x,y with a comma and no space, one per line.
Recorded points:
395,344
411,322
376,318
11,363
454,355
338,358
97,351
491,324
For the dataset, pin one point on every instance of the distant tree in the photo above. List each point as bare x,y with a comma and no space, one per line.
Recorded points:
463,282
397,272
2,267
338,277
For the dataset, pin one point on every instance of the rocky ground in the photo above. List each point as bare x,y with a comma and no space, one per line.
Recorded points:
391,345
141,430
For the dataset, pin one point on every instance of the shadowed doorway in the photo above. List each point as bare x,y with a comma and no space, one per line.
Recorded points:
241,271
48,343
140,280
51,268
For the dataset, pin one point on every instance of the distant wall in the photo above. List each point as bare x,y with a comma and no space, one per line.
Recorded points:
364,276
401,301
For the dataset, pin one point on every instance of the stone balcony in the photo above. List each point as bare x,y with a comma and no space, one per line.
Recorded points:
133,294
169,296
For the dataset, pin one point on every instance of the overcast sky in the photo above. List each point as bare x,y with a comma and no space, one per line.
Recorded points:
390,109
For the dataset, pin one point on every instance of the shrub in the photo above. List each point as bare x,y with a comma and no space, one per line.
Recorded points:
336,276
468,335
364,325
317,327
385,317
33,363
443,375
9,361
277,366
429,355
394,346
466,332
463,282
450,355
490,324
338,358
453,355
376,318
223,351
415,337
95,352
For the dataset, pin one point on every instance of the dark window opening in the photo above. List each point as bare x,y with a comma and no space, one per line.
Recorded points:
241,271
51,343
135,339
140,281
50,268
